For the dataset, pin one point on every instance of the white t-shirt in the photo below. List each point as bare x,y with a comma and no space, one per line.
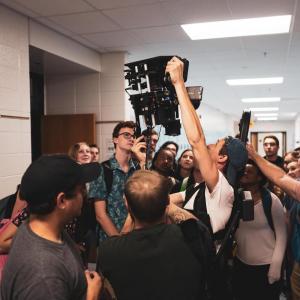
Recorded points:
256,242
218,203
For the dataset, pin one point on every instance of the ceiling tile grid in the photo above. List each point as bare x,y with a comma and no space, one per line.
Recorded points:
140,16
55,7
147,28
90,22
110,4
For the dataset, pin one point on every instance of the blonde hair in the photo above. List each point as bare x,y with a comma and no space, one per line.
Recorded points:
74,149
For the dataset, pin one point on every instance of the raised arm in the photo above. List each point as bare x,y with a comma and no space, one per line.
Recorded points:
192,126
276,174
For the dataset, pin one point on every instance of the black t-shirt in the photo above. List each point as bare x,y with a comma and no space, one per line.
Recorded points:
153,263
41,269
278,162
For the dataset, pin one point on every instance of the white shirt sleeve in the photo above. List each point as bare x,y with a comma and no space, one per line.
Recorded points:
219,203
280,228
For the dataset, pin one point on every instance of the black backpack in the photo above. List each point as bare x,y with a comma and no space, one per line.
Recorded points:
7,205
267,206
108,175
200,241
88,210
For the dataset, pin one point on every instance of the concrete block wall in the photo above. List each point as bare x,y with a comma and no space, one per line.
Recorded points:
113,100
99,93
73,94
297,132
15,150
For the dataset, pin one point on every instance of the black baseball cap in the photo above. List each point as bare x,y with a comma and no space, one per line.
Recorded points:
52,174
237,158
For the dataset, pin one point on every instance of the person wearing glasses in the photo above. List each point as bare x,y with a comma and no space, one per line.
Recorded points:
107,191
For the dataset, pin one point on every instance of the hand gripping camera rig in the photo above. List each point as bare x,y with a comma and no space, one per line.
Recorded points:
153,96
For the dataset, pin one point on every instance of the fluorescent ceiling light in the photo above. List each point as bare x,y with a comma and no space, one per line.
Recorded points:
264,109
240,27
267,119
256,100
255,81
266,115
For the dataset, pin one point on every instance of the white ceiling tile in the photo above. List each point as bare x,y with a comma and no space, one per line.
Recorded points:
296,19
214,46
90,22
55,7
193,11
141,16
153,30
107,4
249,9
112,39
266,42
162,34
19,8
295,41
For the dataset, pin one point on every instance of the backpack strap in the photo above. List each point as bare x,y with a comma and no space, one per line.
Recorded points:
189,192
199,239
267,206
108,175
184,184
199,208
7,205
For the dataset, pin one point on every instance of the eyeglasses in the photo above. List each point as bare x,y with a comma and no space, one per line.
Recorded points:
127,135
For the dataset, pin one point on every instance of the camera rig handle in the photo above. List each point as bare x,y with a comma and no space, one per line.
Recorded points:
244,126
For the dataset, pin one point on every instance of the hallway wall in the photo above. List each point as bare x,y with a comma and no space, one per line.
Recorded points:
15,150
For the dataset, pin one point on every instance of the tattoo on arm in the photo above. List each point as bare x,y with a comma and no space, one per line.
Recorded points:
178,216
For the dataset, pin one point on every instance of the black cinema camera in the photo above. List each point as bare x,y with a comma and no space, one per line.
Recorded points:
153,96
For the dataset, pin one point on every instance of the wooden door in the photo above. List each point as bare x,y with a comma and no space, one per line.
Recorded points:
59,132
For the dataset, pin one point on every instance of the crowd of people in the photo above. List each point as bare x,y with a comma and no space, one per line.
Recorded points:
139,217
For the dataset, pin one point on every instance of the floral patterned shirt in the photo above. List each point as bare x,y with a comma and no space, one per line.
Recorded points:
22,216
115,205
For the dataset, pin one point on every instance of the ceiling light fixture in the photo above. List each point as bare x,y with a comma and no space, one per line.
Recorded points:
255,81
239,27
267,119
266,115
256,100
264,109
